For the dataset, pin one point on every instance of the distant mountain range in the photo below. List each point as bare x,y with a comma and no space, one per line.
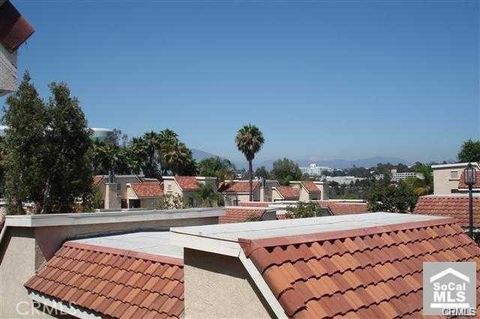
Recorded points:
334,163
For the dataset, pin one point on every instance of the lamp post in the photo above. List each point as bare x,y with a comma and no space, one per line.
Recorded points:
470,179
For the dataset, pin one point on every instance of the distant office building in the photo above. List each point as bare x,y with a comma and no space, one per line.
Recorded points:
343,180
396,177
314,170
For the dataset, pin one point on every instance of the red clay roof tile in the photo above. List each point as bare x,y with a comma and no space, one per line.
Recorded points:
187,183
147,189
461,181
311,187
120,291
238,187
452,206
288,192
370,272
241,214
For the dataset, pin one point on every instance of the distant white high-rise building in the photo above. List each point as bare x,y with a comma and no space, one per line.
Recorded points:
314,170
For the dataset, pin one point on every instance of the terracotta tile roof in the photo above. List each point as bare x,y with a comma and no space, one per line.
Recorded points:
254,204
461,182
238,187
373,272
451,206
148,189
240,214
14,28
311,187
112,282
288,192
187,183
344,208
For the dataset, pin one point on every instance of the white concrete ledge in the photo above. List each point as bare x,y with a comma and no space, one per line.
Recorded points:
109,217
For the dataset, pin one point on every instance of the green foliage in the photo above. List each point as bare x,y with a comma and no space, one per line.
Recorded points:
470,151
207,196
285,171
217,167
157,154
47,150
262,172
305,210
69,146
26,157
170,201
249,141
93,200
399,198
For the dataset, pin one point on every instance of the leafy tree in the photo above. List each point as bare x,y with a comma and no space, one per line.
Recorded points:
285,171
249,140
305,210
69,147
470,151
262,172
207,196
392,198
25,148
220,168
170,201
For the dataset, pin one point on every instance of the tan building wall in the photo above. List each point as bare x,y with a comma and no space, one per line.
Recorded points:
447,176
276,195
24,249
218,286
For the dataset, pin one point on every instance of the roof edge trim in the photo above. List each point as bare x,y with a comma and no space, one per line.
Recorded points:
250,245
128,253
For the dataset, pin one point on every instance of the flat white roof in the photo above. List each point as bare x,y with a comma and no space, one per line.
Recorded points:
223,238
151,242
301,226
109,217
453,165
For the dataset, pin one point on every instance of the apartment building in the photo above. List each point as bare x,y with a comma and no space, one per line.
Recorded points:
448,178
237,191
14,31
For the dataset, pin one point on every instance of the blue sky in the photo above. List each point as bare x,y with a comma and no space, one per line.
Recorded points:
325,79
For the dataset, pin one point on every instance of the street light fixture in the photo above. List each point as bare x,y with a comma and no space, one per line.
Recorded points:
470,179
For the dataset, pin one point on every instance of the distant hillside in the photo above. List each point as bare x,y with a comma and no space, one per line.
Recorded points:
199,155
342,163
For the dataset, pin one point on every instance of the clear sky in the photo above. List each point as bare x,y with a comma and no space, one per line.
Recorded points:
322,79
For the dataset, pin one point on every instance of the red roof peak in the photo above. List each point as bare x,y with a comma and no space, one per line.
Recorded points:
374,272
147,189
113,282
288,192
187,183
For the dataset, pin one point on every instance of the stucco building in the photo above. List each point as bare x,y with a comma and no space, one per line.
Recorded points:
14,31
448,178
237,191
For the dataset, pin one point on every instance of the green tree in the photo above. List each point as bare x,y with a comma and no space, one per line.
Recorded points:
249,140
285,171
392,198
207,196
69,147
470,151
305,210
25,148
220,168
262,172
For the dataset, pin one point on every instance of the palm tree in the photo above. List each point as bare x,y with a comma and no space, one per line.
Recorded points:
249,141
